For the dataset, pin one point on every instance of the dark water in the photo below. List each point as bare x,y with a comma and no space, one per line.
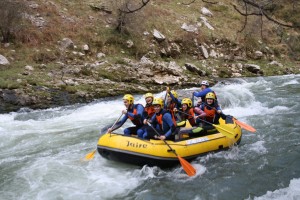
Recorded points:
41,151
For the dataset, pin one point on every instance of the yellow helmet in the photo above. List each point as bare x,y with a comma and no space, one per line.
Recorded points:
174,94
187,101
158,101
148,95
129,98
210,95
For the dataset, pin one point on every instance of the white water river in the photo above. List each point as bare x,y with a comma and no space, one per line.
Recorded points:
41,151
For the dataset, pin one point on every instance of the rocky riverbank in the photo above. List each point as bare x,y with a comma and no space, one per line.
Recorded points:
129,77
72,53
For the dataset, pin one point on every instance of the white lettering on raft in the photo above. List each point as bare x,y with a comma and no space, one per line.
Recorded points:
198,140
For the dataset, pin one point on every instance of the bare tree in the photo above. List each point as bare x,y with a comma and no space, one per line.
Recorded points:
10,18
264,8
126,8
210,2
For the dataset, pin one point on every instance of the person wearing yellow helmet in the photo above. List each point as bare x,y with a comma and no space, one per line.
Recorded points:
134,112
186,112
211,108
161,121
204,90
173,102
149,109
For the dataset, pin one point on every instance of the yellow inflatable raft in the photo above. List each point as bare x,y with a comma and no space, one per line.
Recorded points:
133,150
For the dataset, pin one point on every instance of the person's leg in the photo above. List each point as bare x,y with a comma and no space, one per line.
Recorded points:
141,131
130,131
150,133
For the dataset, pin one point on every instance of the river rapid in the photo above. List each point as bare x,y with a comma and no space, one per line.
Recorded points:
42,151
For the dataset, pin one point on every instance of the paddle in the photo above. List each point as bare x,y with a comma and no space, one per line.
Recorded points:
224,130
188,168
193,100
165,103
241,124
244,125
91,155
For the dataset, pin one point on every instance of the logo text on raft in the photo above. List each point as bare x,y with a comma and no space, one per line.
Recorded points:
136,145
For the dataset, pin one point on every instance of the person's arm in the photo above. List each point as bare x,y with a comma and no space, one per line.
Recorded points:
199,112
145,115
218,109
118,124
202,93
168,119
153,120
174,99
139,115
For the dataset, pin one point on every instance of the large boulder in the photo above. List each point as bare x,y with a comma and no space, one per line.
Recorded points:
253,68
158,35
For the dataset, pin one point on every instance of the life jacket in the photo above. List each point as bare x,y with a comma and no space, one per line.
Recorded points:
188,115
170,108
149,109
191,116
210,114
159,118
137,121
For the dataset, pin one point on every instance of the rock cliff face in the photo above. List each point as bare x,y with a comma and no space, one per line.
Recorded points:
129,77
82,82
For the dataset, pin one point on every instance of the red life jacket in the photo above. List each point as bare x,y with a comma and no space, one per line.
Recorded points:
210,114
188,115
159,118
170,108
150,110
191,117
137,122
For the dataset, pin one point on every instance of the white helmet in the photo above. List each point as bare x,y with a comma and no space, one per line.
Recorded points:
205,83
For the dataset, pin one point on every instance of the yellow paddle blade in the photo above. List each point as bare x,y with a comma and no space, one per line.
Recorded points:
187,167
225,130
244,126
90,155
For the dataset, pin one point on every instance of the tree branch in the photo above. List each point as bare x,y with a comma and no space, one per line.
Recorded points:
210,2
186,4
144,3
262,12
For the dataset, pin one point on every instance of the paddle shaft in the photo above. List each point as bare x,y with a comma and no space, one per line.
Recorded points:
197,118
116,122
241,124
193,99
165,104
157,133
91,155
187,167
228,132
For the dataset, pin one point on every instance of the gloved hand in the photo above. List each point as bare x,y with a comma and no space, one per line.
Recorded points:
223,116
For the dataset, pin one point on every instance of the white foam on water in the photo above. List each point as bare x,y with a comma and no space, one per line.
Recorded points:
258,147
292,192
43,148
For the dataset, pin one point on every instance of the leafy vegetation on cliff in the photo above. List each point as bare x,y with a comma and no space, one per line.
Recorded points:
82,47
